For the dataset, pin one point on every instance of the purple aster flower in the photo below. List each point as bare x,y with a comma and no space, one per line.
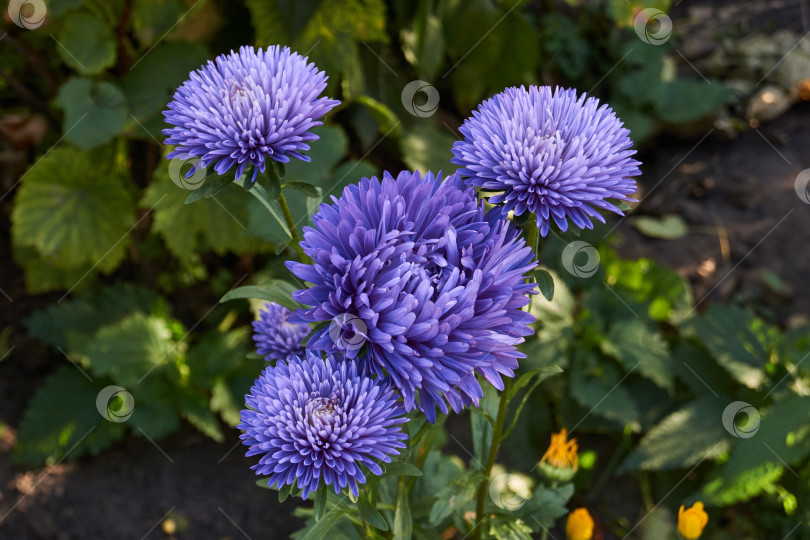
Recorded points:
276,338
314,420
557,155
246,108
419,285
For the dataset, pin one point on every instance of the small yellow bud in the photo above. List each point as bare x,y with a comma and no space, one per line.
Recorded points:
169,526
691,521
579,525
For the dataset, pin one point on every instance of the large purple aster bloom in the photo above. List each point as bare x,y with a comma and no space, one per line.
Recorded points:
316,420
276,338
555,154
246,108
420,285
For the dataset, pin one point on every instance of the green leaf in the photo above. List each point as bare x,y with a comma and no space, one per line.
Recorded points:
669,227
216,223
320,529
320,502
596,386
209,189
127,350
481,423
307,189
95,111
455,496
57,8
152,18
724,490
684,100
782,437
545,505
370,514
423,45
61,421
401,468
636,345
545,282
403,524
385,117
74,211
276,290
268,23
86,43
663,446
504,527
59,322
726,332
196,409
557,312
149,86
156,411
428,148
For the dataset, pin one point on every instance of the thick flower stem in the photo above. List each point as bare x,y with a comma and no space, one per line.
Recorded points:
497,432
295,240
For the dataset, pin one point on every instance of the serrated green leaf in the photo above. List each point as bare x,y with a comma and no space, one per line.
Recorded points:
61,420
504,527
428,148
370,514
455,496
216,224
663,446
156,411
636,345
86,43
597,387
170,63
726,332
209,189
129,349
545,505
724,490
74,212
95,112
276,290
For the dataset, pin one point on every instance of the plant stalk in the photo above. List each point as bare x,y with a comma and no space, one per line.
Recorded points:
295,240
497,432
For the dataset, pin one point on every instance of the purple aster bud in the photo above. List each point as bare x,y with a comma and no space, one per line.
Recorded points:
275,338
314,420
420,285
248,107
557,155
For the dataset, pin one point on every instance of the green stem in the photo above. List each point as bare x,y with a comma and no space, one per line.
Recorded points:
532,235
291,226
497,431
